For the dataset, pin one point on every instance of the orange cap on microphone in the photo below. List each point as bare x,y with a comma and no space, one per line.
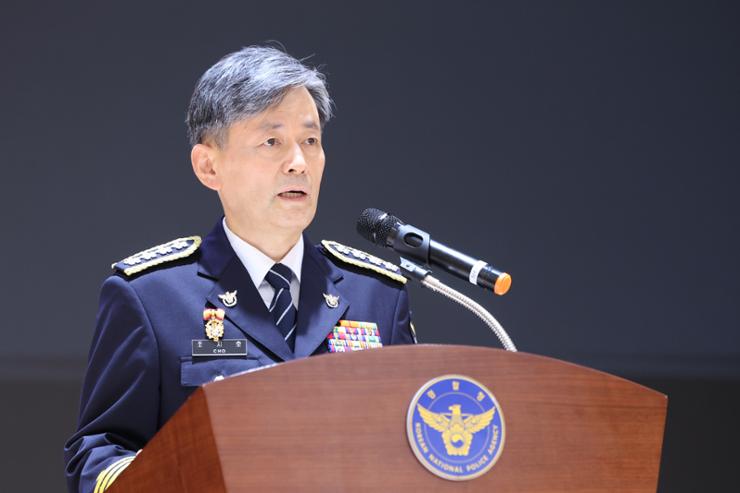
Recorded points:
503,284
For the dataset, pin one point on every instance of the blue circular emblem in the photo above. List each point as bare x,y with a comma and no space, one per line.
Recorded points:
455,427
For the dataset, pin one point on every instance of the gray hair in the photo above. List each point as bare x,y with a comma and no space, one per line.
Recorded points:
245,83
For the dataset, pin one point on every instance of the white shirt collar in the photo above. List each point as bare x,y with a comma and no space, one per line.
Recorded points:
257,263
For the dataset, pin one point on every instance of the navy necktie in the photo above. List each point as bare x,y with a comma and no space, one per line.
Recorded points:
282,309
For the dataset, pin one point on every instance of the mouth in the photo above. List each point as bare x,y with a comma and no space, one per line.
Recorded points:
293,194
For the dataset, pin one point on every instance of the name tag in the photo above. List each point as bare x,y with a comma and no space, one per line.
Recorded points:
224,347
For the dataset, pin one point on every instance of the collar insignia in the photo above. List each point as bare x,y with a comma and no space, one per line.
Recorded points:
331,300
228,298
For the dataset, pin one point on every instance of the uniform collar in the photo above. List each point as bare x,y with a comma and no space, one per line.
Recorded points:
316,318
257,263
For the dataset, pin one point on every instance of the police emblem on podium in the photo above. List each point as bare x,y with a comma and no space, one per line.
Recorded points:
455,427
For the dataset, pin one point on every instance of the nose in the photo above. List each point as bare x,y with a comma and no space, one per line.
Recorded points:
296,163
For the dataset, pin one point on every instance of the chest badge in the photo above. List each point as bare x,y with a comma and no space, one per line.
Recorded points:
214,319
331,300
228,298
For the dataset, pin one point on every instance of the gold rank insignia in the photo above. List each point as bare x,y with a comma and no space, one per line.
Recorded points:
160,254
359,258
214,319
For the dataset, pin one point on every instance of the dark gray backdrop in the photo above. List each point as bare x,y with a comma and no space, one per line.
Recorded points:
588,148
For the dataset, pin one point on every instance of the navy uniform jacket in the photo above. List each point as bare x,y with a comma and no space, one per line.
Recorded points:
140,368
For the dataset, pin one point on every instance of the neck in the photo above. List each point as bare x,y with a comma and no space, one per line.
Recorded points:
275,244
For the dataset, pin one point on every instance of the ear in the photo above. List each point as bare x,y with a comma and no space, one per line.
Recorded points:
203,158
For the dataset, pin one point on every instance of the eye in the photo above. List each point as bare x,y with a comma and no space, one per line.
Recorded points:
272,141
312,141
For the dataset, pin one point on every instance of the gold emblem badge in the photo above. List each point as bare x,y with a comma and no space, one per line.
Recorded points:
456,427
214,318
228,298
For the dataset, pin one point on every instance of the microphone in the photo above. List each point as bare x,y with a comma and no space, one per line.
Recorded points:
388,231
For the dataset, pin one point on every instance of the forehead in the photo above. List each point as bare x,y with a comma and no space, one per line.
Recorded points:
297,107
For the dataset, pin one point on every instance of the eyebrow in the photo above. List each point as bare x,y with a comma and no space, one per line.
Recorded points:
273,125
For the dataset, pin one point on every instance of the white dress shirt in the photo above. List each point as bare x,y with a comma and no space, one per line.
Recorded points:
257,265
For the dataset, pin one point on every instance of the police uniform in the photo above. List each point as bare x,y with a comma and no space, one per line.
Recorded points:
141,366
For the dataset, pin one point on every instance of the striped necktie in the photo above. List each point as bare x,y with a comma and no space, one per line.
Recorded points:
282,309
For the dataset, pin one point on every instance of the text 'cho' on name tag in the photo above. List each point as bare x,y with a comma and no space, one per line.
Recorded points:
224,347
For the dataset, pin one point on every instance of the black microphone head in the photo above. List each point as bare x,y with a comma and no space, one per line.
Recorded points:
375,225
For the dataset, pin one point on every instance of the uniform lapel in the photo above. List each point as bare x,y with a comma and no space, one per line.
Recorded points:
315,317
250,315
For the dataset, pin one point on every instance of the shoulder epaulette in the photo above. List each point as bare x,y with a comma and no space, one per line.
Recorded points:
166,252
362,259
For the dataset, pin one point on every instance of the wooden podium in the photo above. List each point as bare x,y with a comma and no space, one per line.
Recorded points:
337,422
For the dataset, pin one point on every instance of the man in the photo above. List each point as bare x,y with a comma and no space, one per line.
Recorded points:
254,289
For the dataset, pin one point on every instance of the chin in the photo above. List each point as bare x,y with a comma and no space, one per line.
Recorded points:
296,221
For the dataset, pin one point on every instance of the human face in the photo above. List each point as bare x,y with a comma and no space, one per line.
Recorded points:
270,169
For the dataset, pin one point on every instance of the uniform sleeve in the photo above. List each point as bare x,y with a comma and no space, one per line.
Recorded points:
119,406
403,329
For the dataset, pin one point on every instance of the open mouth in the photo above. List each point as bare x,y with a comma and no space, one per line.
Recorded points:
292,194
